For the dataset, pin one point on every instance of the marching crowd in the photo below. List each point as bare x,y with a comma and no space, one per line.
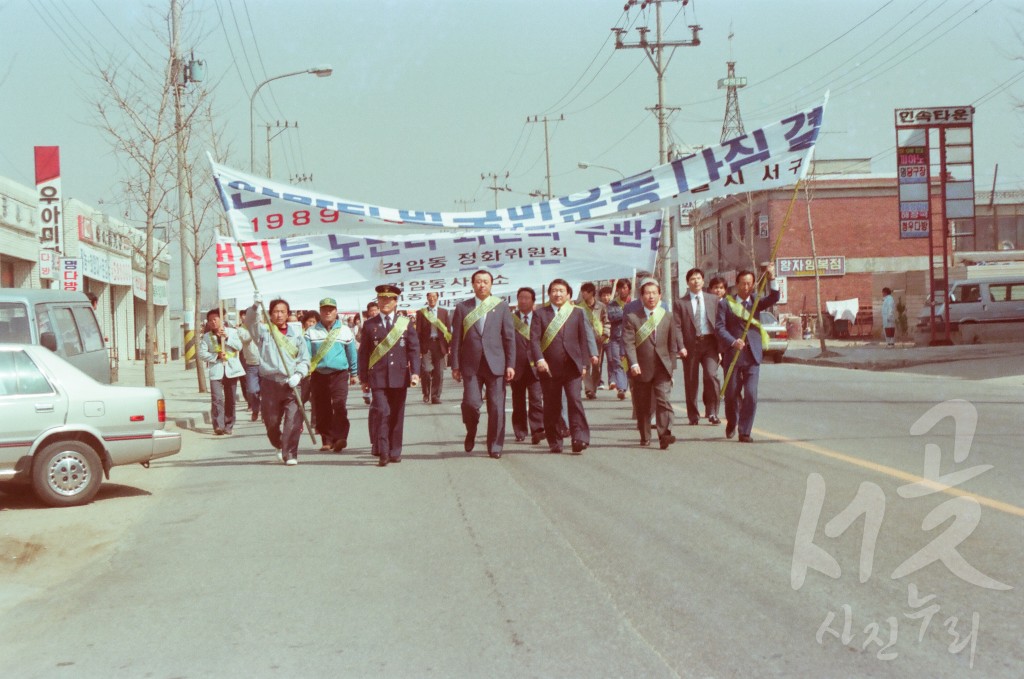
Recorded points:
550,355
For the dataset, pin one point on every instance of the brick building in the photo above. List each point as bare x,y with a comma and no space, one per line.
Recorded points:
856,235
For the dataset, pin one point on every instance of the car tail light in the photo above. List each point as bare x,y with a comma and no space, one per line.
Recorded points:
161,411
137,418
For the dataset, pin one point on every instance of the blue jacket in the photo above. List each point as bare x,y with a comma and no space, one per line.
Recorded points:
341,355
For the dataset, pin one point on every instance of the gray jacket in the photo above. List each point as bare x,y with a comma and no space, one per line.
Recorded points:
271,365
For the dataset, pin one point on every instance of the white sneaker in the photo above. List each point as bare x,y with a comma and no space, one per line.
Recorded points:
280,456
291,462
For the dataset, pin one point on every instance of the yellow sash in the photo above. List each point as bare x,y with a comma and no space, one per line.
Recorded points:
737,308
477,313
647,329
521,327
390,340
332,337
217,348
436,322
561,316
282,342
595,321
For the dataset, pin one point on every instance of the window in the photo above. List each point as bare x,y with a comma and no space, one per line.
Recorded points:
743,229
90,329
967,293
728,233
14,325
67,330
20,376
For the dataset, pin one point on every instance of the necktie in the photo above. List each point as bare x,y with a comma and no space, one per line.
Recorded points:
387,323
700,313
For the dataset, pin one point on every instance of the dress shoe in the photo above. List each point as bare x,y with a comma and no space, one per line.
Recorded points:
426,399
255,416
714,420
666,441
496,456
218,432
579,446
562,433
555,448
366,400
622,395
745,438
383,461
470,440
645,442
591,396
339,445
537,437
694,421
520,439
435,401
730,430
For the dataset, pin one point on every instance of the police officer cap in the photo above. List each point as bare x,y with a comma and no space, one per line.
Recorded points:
388,290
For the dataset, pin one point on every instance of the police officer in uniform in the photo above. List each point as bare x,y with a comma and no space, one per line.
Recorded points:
389,363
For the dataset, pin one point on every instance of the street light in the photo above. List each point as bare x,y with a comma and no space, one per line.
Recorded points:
584,166
318,71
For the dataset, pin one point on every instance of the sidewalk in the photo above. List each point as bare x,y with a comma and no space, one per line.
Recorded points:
873,354
186,407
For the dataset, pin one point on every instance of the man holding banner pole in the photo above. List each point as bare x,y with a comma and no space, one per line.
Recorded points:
741,335
284,362
483,356
389,363
434,336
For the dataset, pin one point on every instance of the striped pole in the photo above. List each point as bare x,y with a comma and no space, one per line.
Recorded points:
190,347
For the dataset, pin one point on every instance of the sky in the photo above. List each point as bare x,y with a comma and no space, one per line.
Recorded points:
426,97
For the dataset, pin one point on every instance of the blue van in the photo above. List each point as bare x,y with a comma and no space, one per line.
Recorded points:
63,322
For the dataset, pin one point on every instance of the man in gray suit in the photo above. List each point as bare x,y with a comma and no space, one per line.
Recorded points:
694,316
652,341
483,355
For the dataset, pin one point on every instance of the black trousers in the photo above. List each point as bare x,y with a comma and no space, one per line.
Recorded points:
281,416
472,399
527,420
330,397
570,385
702,357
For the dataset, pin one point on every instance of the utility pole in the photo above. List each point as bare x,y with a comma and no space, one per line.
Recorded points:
188,301
463,203
655,52
547,153
494,185
286,125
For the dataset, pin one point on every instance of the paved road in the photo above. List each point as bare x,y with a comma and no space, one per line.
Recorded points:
622,562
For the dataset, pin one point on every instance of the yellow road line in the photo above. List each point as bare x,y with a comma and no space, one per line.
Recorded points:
1004,507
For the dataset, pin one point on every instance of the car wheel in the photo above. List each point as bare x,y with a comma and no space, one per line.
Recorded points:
66,473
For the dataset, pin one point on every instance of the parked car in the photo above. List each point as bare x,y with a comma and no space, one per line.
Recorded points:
62,431
64,322
778,336
979,301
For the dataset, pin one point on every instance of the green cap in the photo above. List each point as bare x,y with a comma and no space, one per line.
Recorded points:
328,301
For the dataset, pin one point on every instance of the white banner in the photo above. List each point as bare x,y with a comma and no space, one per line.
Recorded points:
104,266
765,158
304,270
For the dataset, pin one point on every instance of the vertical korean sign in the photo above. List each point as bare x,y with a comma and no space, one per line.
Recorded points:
48,191
913,182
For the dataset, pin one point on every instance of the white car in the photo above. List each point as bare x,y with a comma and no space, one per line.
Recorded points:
778,337
62,431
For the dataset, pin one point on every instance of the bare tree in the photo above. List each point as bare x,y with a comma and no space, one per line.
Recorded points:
134,107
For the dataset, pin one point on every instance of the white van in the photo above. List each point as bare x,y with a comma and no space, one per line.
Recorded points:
63,322
978,303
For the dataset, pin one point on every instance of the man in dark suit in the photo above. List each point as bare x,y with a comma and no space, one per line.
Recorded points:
526,383
434,335
559,347
483,355
389,363
734,314
694,316
652,341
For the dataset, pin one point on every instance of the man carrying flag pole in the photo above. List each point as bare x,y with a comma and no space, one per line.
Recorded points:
389,363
